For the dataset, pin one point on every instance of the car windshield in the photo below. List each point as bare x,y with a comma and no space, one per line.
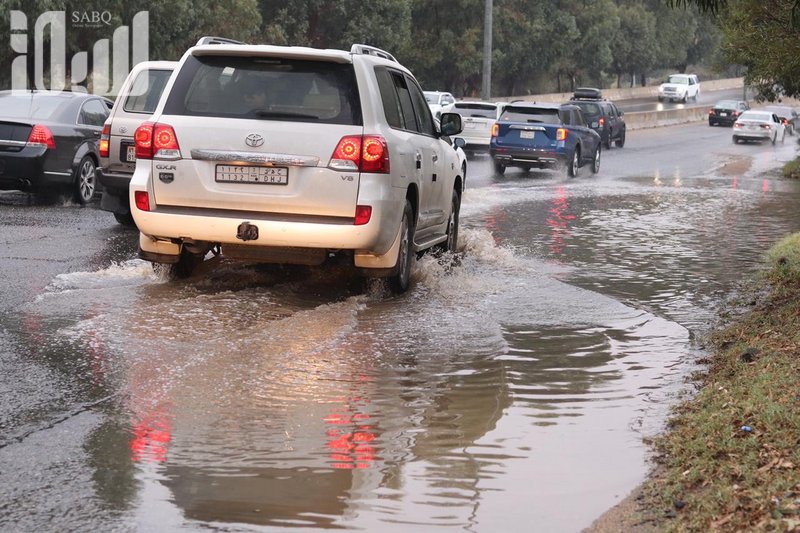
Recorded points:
531,114
678,80
476,110
266,89
590,110
30,105
726,104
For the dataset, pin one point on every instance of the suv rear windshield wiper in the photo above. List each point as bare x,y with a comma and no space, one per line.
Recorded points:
265,113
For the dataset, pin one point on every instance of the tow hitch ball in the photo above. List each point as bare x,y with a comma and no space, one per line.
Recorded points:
247,232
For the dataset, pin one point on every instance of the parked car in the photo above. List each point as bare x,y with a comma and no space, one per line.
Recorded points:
135,103
789,116
315,154
530,135
437,101
601,115
477,117
679,87
757,125
725,112
49,142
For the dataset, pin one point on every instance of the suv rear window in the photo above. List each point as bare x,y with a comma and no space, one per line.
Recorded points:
530,114
590,109
266,88
476,110
146,91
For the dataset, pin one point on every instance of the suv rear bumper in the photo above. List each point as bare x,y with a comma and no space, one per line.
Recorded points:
165,227
538,158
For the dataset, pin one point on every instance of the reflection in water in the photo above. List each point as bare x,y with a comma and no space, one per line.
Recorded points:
489,396
559,220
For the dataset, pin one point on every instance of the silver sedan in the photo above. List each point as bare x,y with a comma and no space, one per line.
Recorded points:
757,125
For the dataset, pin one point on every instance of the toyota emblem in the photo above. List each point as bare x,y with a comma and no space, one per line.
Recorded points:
254,139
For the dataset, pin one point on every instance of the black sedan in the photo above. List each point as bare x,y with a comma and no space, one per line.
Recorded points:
725,112
49,142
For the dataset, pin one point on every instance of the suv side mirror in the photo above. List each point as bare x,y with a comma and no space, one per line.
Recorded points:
459,142
450,124
620,112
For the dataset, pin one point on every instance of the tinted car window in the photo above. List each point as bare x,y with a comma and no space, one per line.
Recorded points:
391,104
94,113
590,109
530,114
146,90
423,112
475,110
266,89
406,107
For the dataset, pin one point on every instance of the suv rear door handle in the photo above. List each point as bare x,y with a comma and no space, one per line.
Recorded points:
418,158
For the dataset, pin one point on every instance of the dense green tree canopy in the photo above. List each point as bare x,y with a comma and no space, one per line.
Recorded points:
538,46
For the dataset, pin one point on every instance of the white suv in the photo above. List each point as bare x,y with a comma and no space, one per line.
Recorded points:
437,101
280,154
679,87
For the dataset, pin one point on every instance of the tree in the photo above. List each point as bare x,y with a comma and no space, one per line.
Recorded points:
634,44
760,34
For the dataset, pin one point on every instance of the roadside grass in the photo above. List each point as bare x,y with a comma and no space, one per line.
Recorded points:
792,169
730,460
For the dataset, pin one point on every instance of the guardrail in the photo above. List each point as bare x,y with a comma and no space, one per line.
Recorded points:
629,93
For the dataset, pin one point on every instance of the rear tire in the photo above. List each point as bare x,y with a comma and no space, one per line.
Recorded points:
499,168
401,279
84,181
572,167
735,139
126,219
182,269
621,141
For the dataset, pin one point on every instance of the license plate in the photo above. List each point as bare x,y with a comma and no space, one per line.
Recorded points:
249,174
469,125
127,152
527,134
723,114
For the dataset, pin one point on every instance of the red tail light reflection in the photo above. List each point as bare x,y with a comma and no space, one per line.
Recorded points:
151,438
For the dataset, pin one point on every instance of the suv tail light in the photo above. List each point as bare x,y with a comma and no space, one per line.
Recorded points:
156,140
495,129
42,136
104,138
365,153
602,121
561,134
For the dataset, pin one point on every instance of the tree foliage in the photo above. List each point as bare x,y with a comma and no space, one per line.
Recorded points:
760,34
538,46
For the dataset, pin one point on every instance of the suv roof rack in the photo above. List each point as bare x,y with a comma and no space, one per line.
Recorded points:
366,49
210,39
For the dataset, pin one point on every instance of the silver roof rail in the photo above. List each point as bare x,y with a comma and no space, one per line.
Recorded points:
366,49
216,40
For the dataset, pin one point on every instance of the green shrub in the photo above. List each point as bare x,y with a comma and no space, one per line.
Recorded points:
783,258
792,169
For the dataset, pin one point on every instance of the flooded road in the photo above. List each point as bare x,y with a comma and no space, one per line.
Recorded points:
510,385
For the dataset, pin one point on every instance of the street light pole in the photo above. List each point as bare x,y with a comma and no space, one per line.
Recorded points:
486,85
